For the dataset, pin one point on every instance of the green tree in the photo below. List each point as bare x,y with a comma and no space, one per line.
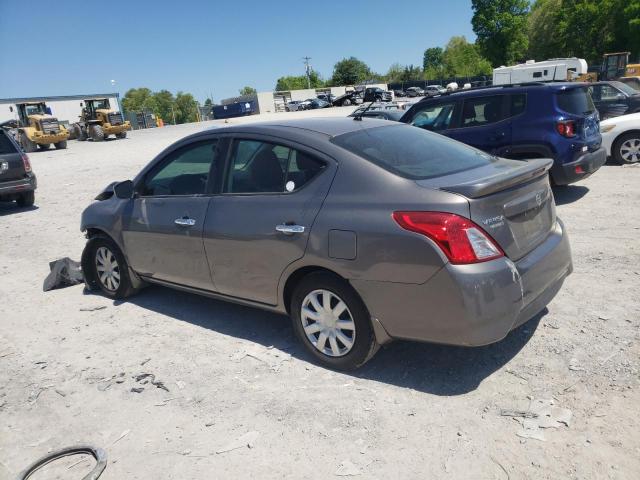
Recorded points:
350,71
501,29
462,59
208,102
248,91
299,82
186,108
394,74
410,73
137,99
164,101
432,58
543,30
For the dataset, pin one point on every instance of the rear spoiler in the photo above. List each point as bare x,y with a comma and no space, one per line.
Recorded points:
530,169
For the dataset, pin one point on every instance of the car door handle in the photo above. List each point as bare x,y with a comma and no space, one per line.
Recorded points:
185,222
290,229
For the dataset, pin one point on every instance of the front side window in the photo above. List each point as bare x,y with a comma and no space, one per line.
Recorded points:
262,167
434,117
186,171
482,111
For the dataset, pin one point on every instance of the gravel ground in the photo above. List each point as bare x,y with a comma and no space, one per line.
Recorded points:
242,400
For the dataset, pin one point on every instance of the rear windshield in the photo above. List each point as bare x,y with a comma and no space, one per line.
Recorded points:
412,152
576,101
6,145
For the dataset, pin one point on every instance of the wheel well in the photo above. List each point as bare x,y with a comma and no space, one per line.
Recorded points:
621,135
92,232
295,278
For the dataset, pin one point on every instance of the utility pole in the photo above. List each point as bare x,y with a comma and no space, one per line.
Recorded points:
307,69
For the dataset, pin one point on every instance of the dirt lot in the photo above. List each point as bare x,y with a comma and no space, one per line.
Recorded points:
244,401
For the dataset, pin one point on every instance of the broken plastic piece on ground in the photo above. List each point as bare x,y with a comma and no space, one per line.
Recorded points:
64,273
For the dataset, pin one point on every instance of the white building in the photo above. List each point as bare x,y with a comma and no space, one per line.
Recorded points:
65,108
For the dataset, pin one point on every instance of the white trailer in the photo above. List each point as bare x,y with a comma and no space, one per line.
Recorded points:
557,69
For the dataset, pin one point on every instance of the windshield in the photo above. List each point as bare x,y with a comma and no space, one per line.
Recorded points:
576,101
625,88
101,104
34,109
412,152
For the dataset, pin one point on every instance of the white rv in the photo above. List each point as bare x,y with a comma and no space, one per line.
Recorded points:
557,69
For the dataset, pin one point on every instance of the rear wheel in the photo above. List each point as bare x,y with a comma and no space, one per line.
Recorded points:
626,149
61,145
81,133
96,133
346,102
26,199
106,269
332,322
27,145
121,134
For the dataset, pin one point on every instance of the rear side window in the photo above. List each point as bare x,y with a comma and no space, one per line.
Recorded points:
482,111
6,145
518,104
576,101
412,152
433,117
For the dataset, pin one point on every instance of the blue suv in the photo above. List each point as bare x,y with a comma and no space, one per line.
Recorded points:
552,120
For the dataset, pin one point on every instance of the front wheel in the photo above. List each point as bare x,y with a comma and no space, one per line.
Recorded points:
61,145
332,322
27,144
626,149
44,146
106,269
346,102
96,133
122,134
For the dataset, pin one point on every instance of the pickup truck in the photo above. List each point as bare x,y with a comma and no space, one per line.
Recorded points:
17,180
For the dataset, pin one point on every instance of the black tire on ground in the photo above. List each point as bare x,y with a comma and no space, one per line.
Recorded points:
27,145
346,102
122,134
624,148
96,133
81,133
90,268
365,345
44,146
61,145
26,199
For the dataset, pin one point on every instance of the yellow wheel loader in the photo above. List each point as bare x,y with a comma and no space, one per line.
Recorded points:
98,120
37,128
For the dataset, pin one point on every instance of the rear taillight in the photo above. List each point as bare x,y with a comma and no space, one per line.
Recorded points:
566,128
461,240
26,162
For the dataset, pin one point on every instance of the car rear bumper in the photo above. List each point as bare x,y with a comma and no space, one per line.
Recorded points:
16,187
584,166
472,305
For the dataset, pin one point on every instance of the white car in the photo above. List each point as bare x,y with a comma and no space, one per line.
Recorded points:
621,137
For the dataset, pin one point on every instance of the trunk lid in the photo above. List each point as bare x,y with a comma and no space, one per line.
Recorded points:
511,200
11,164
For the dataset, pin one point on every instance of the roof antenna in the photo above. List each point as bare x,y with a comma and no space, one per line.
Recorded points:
358,116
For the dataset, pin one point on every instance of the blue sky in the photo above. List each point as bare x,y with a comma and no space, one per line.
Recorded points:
207,47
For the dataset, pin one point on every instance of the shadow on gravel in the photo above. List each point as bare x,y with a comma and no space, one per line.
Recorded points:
9,208
569,193
436,369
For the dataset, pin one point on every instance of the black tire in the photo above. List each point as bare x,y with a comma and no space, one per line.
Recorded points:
81,133
61,145
27,145
90,268
364,346
96,133
122,134
346,102
619,146
44,146
26,199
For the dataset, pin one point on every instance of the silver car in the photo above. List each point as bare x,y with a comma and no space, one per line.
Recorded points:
362,230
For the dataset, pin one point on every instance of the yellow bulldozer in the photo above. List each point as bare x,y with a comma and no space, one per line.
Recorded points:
98,121
37,128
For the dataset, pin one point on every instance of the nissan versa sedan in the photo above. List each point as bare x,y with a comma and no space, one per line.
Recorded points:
362,230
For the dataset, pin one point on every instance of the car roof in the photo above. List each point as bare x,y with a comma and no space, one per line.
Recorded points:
516,88
330,126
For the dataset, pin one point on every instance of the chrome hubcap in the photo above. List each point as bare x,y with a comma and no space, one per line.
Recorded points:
108,269
630,150
328,323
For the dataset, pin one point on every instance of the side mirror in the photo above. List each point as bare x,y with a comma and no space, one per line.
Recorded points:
10,108
81,104
124,190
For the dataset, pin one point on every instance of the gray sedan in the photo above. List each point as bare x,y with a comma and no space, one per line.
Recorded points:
363,231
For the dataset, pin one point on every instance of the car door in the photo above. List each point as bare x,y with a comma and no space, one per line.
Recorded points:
609,101
162,233
484,123
272,192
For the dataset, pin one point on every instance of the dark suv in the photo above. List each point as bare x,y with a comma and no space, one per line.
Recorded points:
553,120
17,181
